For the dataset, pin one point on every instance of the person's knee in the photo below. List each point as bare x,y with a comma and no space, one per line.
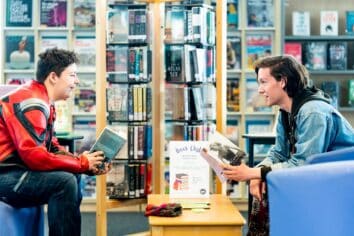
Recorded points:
69,185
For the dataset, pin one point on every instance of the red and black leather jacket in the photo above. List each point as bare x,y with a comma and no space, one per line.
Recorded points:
26,128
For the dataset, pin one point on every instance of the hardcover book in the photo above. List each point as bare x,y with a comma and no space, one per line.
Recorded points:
329,23
19,13
53,13
117,25
232,15
258,46
19,52
233,95
233,53
110,142
332,89
301,23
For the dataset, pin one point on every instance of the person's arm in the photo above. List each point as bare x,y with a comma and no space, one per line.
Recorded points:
31,148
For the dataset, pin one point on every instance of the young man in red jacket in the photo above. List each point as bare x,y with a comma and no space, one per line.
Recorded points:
34,168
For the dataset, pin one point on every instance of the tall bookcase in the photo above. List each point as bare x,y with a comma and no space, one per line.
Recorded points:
253,31
157,9
334,80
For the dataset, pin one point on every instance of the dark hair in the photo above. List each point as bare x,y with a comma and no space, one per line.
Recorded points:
54,60
288,68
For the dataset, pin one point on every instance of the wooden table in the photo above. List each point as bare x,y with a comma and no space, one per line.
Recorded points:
222,218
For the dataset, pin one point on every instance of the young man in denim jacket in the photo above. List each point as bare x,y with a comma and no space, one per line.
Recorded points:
307,123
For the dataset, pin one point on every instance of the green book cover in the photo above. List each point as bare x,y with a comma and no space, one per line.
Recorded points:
351,92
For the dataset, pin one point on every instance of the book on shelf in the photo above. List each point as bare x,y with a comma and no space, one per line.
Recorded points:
233,53
258,46
175,25
48,41
349,22
84,14
329,23
117,102
19,13
232,131
315,55
294,49
177,106
53,13
337,55
351,92
117,25
233,94
209,101
85,48
332,89
232,15
174,62
85,100
301,23
18,78
84,126
19,51
63,120
260,13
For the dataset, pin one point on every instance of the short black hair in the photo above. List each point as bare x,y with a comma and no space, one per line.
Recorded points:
54,60
288,68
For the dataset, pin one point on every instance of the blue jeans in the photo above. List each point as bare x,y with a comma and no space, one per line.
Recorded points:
60,190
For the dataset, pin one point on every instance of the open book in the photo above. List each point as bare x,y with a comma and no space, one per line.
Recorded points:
221,151
110,142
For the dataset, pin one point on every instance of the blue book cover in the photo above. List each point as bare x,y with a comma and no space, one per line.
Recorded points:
19,13
349,22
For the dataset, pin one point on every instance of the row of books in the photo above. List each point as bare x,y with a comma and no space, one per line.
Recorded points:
52,13
128,102
189,132
301,25
196,103
322,55
128,64
188,63
336,91
20,49
126,181
126,25
195,25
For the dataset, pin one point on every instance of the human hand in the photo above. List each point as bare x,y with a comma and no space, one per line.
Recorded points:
95,160
257,188
238,173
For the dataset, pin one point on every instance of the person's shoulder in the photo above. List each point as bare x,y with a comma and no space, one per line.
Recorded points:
315,106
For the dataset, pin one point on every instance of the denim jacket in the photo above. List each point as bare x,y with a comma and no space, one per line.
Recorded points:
319,128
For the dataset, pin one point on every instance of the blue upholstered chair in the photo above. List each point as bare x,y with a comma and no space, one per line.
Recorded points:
316,199
21,221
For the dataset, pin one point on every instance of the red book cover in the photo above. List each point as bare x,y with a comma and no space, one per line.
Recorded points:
294,49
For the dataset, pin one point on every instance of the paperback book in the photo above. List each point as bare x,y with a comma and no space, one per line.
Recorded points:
329,23
19,52
337,56
315,55
19,13
349,20
84,14
301,23
260,13
53,13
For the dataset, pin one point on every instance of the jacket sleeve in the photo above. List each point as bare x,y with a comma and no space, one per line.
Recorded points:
28,132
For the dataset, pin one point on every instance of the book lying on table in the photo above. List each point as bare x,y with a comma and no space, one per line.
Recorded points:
110,142
221,151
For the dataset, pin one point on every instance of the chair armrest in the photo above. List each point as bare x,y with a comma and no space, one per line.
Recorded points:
312,200
344,154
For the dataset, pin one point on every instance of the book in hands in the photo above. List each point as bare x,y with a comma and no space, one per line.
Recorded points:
222,151
110,142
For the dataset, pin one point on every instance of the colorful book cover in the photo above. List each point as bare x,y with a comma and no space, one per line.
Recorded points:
260,13
233,53
117,25
329,23
174,30
233,95
84,14
301,23
315,55
53,13
337,56
349,20
294,49
51,41
258,46
19,52
232,15
174,62
19,13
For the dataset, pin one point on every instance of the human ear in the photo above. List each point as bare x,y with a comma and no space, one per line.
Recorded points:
53,78
283,82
